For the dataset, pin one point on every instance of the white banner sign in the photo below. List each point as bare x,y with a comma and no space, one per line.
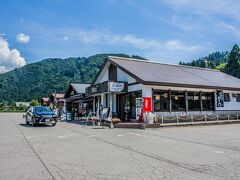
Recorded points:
116,86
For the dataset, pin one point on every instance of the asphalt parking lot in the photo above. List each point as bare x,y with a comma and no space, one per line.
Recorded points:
72,151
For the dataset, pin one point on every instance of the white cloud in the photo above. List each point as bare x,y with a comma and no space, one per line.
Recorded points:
65,38
9,58
23,38
106,37
105,40
227,28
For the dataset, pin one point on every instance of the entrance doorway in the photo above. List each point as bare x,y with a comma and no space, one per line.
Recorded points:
126,105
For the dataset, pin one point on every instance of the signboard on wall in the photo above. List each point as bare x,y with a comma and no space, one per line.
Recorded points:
147,104
116,86
94,90
220,98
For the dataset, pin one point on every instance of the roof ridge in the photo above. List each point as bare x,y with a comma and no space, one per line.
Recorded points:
156,62
78,82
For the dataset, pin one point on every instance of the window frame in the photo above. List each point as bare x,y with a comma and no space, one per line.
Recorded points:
194,94
224,97
159,93
237,97
208,95
178,93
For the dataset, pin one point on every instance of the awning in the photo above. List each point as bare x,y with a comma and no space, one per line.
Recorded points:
87,99
74,98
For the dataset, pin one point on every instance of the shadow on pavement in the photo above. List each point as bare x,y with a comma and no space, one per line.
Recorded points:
36,126
83,123
79,122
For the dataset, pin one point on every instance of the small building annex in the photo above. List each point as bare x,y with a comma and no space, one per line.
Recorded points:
75,98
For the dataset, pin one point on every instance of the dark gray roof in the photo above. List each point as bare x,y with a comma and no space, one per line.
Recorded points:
149,72
79,88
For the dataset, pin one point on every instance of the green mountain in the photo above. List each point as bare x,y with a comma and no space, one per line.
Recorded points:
210,61
228,62
42,78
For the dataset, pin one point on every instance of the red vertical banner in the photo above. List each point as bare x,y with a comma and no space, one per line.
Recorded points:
147,104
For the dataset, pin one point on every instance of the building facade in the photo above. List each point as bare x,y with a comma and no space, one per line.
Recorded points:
131,87
75,99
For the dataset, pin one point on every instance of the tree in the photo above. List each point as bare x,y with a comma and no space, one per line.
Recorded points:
12,106
233,65
3,105
22,107
34,103
227,62
221,67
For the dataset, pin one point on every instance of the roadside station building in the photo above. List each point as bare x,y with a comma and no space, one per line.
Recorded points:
131,86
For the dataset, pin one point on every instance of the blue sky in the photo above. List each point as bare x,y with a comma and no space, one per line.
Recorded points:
162,30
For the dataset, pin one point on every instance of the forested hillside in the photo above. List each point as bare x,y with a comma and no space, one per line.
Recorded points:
228,62
42,78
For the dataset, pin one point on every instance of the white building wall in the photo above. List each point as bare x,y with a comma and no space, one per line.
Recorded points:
122,76
233,104
136,87
146,91
104,75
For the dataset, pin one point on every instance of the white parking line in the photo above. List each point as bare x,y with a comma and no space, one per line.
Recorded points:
67,135
10,136
28,137
94,135
219,152
134,134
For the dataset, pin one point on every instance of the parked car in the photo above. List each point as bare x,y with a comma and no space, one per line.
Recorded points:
40,115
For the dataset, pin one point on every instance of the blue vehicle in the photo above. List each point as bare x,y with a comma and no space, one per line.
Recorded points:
40,115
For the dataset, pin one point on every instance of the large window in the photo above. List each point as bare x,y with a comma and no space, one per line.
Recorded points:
227,97
193,101
238,97
207,101
178,100
161,100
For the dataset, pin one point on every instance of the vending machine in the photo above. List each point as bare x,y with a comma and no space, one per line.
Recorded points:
143,105
139,106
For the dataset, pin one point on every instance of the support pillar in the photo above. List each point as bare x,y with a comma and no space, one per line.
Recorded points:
64,106
114,103
170,101
200,99
93,107
103,100
186,101
111,100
